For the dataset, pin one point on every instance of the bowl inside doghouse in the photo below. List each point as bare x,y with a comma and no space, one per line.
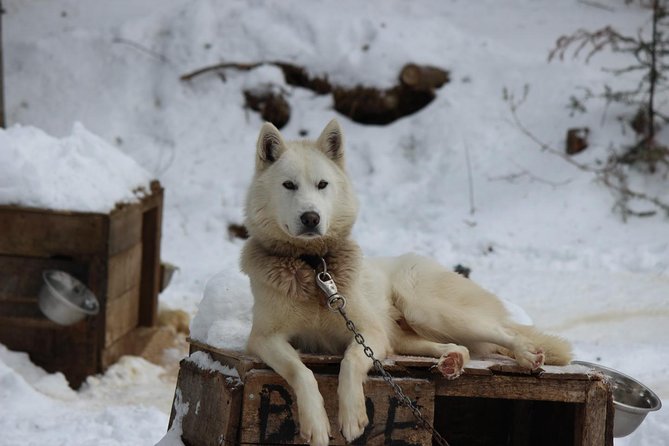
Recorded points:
64,299
632,400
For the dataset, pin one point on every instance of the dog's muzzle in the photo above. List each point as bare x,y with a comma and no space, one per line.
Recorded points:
310,221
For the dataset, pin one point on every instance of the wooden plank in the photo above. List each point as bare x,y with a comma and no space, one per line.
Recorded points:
20,309
214,406
483,366
19,323
244,361
594,416
97,283
121,315
125,228
151,236
269,411
42,233
514,387
124,271
566,372
422,362
53,347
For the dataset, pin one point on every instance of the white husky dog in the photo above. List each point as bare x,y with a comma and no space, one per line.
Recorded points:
300,209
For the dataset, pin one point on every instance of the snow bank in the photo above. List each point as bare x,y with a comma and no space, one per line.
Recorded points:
80,172
40,408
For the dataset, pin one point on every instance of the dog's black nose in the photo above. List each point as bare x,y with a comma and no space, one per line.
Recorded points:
310,219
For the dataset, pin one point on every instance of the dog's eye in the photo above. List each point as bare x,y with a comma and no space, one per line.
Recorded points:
289,185
323,184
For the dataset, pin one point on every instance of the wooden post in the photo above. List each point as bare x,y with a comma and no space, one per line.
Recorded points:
214,406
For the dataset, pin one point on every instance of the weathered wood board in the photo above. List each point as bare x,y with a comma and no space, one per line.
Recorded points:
269,411
214,403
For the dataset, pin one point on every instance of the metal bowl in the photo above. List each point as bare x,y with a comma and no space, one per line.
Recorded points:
631,400
64,299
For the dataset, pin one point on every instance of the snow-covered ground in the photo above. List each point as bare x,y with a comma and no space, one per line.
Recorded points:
541,234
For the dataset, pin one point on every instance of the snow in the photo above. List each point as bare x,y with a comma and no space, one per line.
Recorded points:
204,361
40,408
542,233
80,172
223,318
173,435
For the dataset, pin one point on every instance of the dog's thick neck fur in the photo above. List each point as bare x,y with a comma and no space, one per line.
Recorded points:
285,269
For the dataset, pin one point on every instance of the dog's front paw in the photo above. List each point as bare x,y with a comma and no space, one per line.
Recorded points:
315,426
530,357
352,417
451,365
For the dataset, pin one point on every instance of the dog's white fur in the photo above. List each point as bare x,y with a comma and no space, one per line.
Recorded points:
407,305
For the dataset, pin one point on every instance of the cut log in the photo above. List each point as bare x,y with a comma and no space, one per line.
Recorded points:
423,77
374,106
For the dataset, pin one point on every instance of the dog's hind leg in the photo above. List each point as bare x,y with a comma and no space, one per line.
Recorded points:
444,307
478,334
452,357
277,352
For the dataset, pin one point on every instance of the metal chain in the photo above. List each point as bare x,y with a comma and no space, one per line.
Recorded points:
336,302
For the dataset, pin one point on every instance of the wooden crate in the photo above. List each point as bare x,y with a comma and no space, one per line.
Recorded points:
117,255
494,403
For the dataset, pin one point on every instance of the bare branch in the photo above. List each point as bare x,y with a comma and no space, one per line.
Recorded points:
141,48
598,39
222,66
611,173
597,5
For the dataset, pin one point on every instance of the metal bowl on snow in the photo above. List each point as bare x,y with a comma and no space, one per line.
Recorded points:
631,400
64,299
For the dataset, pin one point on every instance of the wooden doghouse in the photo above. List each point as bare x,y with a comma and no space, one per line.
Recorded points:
117,255
494,403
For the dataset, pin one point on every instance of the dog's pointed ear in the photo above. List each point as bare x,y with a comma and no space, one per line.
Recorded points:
331,142
270,146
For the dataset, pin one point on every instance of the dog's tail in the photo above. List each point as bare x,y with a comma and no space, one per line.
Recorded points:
556,349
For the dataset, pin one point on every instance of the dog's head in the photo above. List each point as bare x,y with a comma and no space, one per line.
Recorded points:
300,191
